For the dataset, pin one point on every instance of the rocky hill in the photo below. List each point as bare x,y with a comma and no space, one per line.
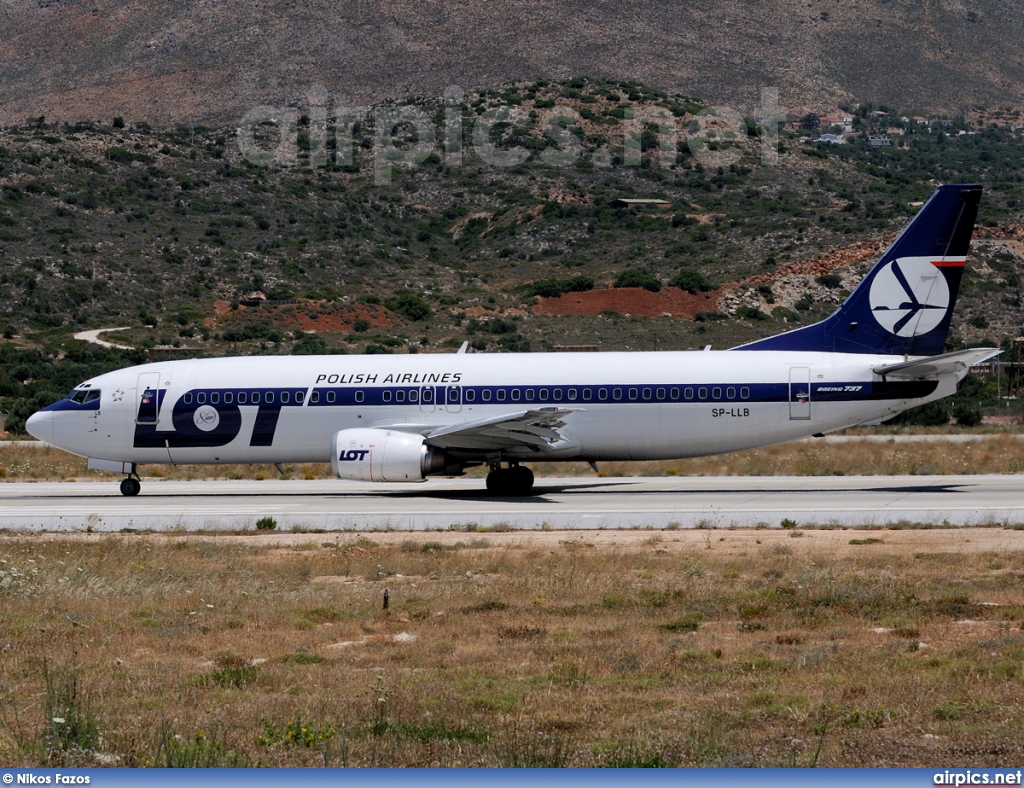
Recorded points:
181,236
209,61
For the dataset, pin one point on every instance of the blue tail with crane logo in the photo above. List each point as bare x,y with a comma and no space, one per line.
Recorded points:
905,303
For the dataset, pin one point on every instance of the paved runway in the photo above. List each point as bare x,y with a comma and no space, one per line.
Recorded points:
576,503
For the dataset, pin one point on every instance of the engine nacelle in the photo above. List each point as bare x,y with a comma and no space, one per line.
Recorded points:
369,455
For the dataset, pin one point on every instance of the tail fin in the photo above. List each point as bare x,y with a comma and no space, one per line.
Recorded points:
905,303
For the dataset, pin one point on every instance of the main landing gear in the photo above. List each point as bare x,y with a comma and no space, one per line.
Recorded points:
131,486
514,480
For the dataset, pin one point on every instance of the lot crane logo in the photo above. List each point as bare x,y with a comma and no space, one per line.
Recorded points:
909,296
206,418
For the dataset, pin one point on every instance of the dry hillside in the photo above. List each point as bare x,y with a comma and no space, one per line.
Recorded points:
209,61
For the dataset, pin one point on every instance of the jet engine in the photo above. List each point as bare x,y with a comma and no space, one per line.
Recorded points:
372,455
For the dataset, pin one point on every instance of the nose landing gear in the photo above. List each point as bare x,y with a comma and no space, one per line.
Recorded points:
131,486
514,480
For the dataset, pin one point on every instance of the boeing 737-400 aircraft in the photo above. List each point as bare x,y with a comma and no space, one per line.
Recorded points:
403,418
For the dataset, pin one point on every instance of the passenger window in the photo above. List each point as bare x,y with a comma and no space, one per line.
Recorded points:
745,393
400,395
674,395
470,395
386,396
716,393
515,395
256,398
187,399
270,397
330,397
586,394
359,396
314,398
688,393
730,393
215,397
633,394
414,396
542,394
529,395
501,395
201,398
602,393
572,395
299,397
660,393
486,395
285,397
647,393
702,393
428,395
242,397
229,397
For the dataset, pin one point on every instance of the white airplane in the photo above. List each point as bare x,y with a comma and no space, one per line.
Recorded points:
403,418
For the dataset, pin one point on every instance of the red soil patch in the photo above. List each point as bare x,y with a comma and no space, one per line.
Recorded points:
670,302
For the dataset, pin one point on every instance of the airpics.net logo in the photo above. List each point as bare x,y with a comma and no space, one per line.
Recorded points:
399,136
909,296
972,777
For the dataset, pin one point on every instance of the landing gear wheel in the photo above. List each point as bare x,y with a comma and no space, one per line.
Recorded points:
516,480
522,480
130,486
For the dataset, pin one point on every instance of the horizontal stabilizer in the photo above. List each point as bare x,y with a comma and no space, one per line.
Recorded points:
933,366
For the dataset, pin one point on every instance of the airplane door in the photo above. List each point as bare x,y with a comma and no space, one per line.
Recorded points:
428,399
799,393
148,398
453,399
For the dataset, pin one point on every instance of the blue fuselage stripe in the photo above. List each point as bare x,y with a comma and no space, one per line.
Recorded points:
541,396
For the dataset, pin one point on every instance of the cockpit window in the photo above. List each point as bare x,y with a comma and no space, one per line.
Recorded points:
82,396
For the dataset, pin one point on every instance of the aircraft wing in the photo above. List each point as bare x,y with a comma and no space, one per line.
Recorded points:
539,429
931,366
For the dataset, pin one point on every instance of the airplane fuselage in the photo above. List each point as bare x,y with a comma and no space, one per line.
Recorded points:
620,406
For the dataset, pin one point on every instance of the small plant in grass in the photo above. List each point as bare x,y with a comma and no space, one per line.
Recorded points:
380,721
70,725
689,623
199,751
266,524
235,671
518,749
297,733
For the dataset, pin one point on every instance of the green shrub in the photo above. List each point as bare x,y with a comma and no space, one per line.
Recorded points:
552,288
266,524
636,277
409,306
691,281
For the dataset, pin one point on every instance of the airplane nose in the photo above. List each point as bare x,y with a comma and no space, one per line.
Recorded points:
40,426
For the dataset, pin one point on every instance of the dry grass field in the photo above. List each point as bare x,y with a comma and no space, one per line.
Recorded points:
697,648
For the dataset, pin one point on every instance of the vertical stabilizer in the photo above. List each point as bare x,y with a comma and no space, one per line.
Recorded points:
905,303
